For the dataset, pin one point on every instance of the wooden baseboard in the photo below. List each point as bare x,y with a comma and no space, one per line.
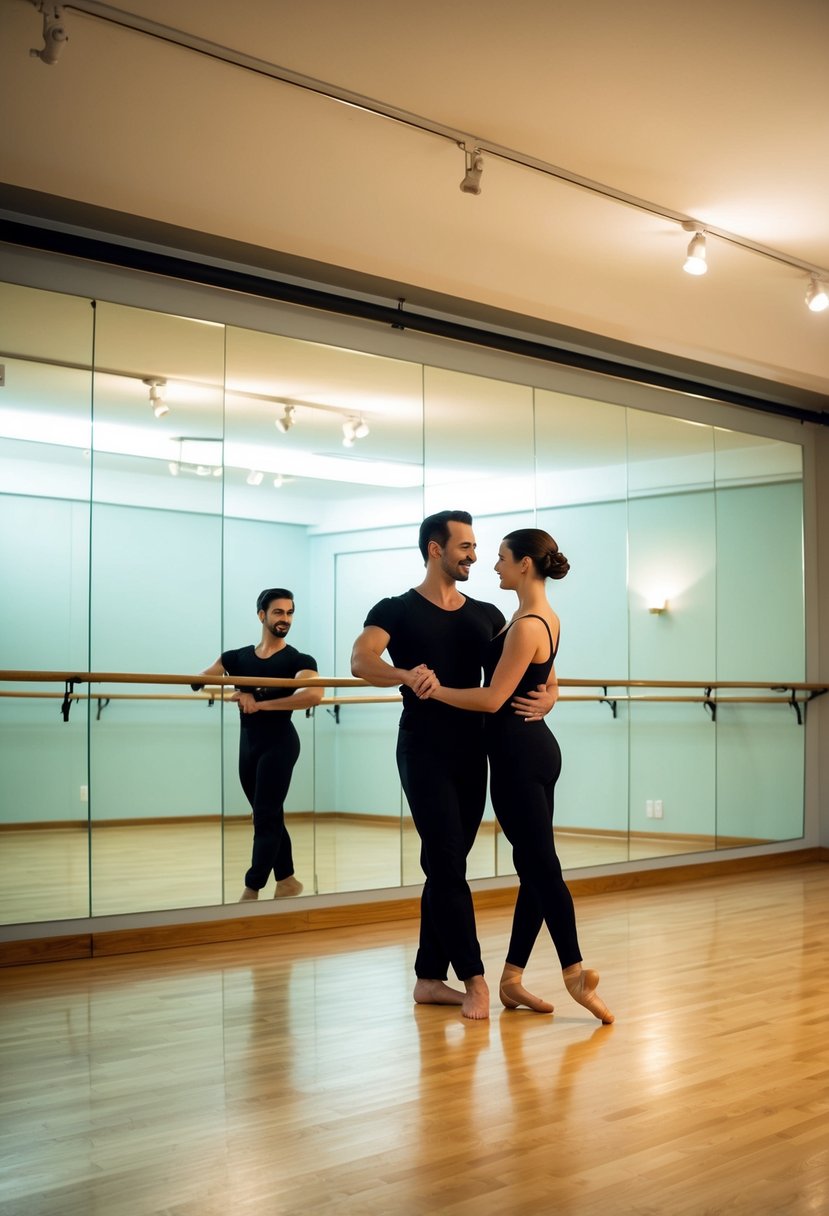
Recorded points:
302,920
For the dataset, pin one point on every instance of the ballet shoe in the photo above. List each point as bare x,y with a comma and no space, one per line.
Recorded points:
582,988
515,996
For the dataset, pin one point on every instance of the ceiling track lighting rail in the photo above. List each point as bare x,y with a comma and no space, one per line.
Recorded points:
474,147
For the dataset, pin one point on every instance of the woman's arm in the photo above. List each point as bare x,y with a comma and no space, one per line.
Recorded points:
520,645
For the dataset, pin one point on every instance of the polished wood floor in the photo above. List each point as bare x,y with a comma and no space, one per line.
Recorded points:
47,874
294,1075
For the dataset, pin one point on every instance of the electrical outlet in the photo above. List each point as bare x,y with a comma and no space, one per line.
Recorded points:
84,793
658,808
649,808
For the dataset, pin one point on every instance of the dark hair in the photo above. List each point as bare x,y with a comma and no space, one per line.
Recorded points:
272,593
540,547
436,527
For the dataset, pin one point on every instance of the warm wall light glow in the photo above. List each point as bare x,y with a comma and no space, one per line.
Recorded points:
657,607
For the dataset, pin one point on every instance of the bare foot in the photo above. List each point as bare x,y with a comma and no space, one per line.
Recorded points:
582,987
513,994
476,1002
247,894
436,992
288,886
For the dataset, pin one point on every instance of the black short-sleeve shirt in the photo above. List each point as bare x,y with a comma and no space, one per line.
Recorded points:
283,665
452,643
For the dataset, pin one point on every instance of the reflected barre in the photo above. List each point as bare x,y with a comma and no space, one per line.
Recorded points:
704,692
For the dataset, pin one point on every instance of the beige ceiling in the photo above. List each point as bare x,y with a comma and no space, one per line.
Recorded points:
716,111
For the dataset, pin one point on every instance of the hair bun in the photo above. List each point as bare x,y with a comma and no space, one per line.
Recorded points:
557,564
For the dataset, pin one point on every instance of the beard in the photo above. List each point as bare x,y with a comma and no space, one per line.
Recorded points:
279,629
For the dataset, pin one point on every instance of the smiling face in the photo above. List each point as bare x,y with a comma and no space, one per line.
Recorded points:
458,554
508,568
278,617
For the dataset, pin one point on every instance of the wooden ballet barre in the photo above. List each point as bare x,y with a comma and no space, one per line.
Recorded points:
218,689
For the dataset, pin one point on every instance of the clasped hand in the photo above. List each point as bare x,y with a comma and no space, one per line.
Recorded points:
247,702
423,681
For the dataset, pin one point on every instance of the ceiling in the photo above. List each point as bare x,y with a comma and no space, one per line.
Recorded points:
716,112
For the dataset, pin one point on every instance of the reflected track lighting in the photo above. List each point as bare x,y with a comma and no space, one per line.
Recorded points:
817,297
54,32
285,423
255,477
159,405
695,261
354,428
471,183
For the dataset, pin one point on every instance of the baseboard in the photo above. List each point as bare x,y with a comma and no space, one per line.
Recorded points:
302,920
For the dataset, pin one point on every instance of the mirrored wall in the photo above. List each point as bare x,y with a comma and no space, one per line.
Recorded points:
159,471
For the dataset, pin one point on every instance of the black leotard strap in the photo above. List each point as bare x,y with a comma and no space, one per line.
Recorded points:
535,616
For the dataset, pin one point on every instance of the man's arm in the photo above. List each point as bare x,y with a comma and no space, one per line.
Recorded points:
539,702
300,698
367,662
217,669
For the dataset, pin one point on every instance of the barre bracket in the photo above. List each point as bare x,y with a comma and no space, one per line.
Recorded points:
710,704
611,701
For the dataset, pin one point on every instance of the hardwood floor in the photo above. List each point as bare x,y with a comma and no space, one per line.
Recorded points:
295,1075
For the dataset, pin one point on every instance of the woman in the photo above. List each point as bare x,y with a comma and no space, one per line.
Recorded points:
525,762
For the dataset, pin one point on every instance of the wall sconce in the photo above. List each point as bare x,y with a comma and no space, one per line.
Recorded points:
657,607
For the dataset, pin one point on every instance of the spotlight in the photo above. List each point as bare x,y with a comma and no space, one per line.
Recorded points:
54,33
817,297
255,478
695,262
159,405
354,428
285,423
471,183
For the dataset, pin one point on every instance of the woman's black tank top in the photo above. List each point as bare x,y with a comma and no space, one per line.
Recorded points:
536,673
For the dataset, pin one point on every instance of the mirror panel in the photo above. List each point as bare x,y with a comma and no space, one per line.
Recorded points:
156,528
478,457
760,636
45,427
672,555
324,449
581,474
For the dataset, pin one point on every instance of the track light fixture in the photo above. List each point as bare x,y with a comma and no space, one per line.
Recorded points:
817,297
285,423
471,183
159,405
354,428
255,477
695,262
54,32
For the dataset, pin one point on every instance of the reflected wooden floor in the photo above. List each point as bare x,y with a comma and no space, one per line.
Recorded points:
295,1075
138,868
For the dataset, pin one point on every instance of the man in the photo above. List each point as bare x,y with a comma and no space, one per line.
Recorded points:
440,751
268,741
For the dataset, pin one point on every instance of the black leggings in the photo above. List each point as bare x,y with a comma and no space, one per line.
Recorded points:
266,763
525,763
444,780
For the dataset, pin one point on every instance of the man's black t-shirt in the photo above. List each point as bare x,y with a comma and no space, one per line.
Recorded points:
452,643
283,665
